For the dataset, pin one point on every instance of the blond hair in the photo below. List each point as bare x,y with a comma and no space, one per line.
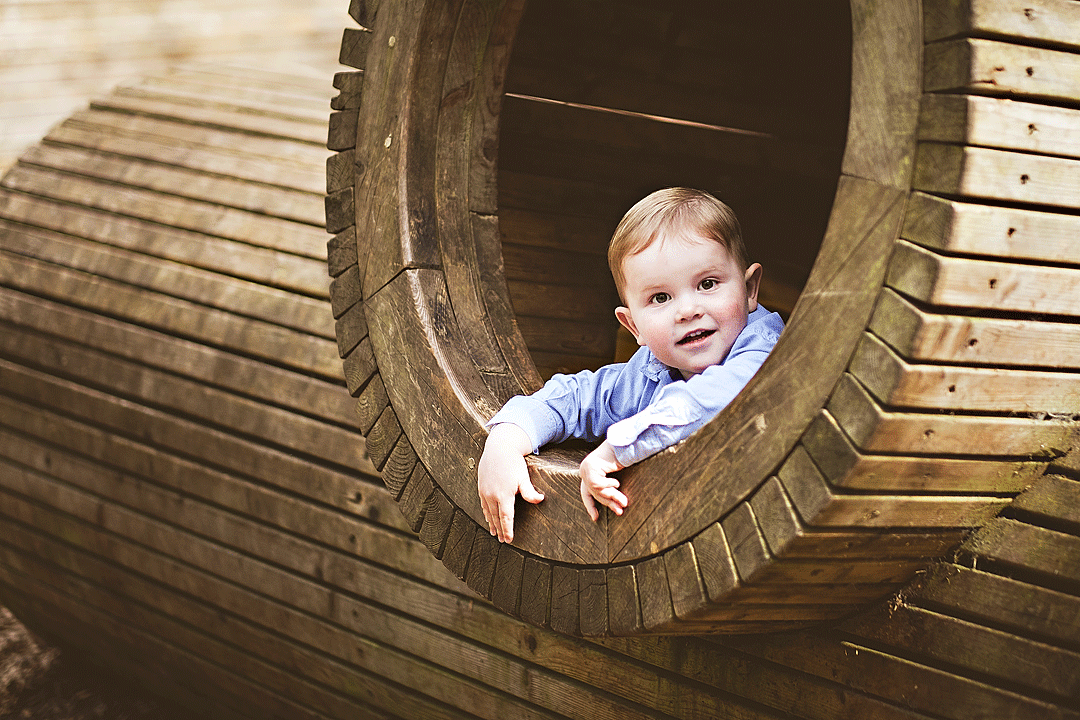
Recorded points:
673,210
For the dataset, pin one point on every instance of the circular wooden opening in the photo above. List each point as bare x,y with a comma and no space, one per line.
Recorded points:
607,101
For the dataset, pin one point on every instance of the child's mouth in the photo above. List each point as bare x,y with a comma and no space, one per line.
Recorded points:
695,336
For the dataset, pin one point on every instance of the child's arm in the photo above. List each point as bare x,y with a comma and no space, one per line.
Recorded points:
597,485
501,475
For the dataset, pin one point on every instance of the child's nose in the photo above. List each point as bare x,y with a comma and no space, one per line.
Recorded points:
689,309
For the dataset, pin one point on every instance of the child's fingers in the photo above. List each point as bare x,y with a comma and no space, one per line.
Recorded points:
590,504
614,496
529,493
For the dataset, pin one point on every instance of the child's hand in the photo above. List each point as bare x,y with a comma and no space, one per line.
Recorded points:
597,485
501,475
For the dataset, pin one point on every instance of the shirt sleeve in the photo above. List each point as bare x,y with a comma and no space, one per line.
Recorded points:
683,406
582,405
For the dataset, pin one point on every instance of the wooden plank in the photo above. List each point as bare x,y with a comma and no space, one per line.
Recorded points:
400,467
1002,602
1046,21
657,610
1047,554
845,467
271,305
897,383
243,194
232,332
1053,502
567,338
819,505
997,68
884,101
786,534
963,339
284,470
989,174
264,266
270,384
207,149
593,596
507,585
894,681
995,654
208,218
872,428
744,453
302,130
999,123
361,661
969,229
302,100
624,605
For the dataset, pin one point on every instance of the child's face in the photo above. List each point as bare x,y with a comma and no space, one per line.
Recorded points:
687,300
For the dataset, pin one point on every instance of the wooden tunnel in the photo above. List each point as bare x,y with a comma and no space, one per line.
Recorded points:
186,497
484,157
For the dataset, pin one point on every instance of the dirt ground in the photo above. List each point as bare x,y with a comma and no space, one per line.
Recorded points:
40,682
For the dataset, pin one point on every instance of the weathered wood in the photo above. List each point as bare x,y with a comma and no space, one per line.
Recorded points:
350,85
536,592
962,339
507,584
717,566
655,593
990,174
213,220
340,210
459,544
871,428
382,438
785,533
684,579
998,68
884,103
1048,553
820,505
1008,604
624,605
1017,660
999,123
845,467
275,201
341,172
1053,502
351,329
438,516
261,265
341,253
1048,21
565,600
989,230
342,132
897,383
593,596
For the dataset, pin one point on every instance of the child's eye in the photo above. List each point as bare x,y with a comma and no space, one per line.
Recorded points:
659,298
708,284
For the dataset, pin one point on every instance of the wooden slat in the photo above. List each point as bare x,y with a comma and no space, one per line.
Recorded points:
308,131
874,429
1053,502
201,217
964,339
897,383
1045,21
253,337
196,184
278,307
306,276
301,393
820,505
199,148
998,68
991,174
845,467
1006,658
969,229
999,123
1048,554
280,105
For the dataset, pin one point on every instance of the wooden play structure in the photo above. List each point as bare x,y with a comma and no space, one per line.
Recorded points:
884,524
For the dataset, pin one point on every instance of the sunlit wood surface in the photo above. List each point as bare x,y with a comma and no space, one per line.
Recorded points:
55,55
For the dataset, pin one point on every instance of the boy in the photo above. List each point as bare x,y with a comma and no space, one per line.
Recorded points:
690,297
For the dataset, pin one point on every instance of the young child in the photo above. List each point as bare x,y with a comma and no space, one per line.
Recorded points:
690,297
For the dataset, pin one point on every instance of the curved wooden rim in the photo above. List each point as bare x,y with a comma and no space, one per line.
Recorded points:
768,478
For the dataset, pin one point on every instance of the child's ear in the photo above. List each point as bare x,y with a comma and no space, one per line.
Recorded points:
627,321
753,282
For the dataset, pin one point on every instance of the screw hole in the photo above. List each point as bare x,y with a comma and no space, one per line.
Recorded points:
1032,128
973,342
1030,71
993,283
1012,231
952,388
1024,179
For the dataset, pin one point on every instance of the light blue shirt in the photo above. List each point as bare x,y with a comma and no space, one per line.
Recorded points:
642,405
